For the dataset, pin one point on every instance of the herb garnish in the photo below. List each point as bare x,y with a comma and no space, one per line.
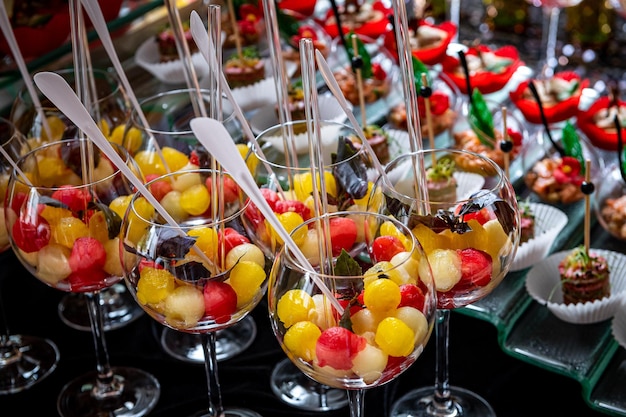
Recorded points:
571,144
481,120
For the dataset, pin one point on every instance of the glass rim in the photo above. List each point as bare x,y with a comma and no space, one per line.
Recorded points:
286,253
123,152
132,119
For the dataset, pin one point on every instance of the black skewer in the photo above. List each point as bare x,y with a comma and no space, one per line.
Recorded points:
620,147
533,89
342,36
468,82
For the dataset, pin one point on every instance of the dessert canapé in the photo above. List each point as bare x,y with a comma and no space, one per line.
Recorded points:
166,42
248,18
244,70
364,18
584,277
527,222
441,182
378,140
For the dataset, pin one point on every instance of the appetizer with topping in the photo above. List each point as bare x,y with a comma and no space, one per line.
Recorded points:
490,70
559,97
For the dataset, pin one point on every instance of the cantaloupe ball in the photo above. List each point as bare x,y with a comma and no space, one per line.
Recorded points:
324,318
407,267
184,307
415,319
52,263
364,321
171,203
245,252
184,181
113,264
369,363
310,247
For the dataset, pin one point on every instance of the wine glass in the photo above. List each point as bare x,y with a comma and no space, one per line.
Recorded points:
24,359
199,274
64,228
359,316
166,130
293,174
469,226
110,108
551,11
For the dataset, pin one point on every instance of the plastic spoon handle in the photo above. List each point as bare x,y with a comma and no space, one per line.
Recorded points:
328,76
216,139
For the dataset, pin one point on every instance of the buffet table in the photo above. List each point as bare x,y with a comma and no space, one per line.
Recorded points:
507,347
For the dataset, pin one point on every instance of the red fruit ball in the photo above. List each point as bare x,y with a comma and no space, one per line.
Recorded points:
88,280
220,301
475,266
30,235
87,254
337,346
342,234
231,189
74,198
386,247
411,296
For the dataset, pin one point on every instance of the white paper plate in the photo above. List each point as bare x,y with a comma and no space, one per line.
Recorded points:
329,109
544,285
618,325
172,72
549,221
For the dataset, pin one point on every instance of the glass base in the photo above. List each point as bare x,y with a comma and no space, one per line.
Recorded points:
230,342
232,412
293,387
419,403
118,307
138,397
27,361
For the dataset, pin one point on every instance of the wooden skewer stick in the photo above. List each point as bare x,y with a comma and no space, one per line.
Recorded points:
359,80
505,137
587,224
233,22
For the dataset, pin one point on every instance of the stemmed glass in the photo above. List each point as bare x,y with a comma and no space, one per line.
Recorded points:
110,108
64,228
24,359
167,115
201,274
293,173
360,314
468,224
551,11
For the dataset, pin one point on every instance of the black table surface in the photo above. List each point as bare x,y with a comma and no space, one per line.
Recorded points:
512,387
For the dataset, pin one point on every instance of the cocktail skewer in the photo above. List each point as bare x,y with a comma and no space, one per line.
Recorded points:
214,136
357,65
5,25
505,145
587,188
92,7
66,100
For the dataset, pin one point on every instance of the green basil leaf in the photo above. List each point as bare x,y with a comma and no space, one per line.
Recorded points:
571,144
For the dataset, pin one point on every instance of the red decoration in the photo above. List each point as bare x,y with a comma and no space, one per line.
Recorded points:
605,138
484,80
558,112
431,55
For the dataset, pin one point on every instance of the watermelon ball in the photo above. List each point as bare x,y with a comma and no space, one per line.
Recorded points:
220,301
337,346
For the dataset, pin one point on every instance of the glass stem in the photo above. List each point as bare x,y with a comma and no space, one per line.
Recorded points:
442,401
356,401
210,364
107,385
8,351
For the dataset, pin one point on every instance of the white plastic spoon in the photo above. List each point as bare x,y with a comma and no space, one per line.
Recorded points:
328,76
216,139
65,99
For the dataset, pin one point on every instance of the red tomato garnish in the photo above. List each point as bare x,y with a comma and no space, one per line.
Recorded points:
220,301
